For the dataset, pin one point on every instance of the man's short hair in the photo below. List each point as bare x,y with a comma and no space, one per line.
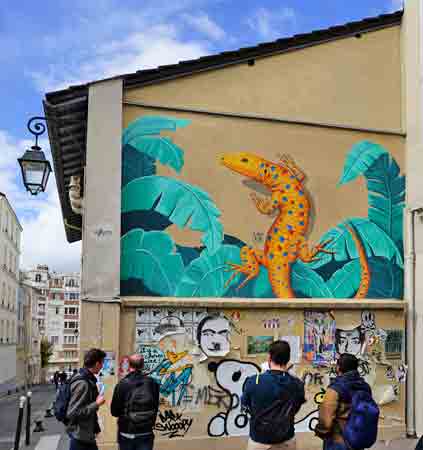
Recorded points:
92,357
136,362
347,363
280,353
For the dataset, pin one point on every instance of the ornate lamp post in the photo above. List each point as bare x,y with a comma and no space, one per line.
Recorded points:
35,167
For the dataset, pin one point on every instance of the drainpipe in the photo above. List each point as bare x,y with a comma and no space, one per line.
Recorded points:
410,296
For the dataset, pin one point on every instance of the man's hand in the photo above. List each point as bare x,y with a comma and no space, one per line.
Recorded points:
100,400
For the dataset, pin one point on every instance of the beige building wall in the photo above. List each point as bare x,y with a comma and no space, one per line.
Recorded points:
341,82
336,83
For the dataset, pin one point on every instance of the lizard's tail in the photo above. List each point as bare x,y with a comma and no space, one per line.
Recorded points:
363,289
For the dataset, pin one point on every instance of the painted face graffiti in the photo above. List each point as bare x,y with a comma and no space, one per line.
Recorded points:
213,335
349,341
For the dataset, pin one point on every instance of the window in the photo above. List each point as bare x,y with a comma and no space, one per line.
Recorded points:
57,310
73,296
70,339
71,311
38,278
71,325
54,340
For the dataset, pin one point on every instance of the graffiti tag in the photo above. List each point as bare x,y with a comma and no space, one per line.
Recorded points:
172,424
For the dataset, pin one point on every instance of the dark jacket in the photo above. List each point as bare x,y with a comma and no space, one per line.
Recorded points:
336,406
120,398
82,408
269,388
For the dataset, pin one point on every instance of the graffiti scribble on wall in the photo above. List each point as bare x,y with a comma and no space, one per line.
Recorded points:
230,376
172,424
360,257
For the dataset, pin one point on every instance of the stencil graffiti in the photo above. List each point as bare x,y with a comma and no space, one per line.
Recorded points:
401,373
319,337
172,424
350,341
213,336
230,375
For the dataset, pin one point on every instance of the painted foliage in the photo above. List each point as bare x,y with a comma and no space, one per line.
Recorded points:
362,257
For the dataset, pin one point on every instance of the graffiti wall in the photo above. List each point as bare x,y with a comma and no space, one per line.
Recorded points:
181,238
202,357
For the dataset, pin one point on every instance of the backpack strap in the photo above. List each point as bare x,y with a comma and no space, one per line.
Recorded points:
257,378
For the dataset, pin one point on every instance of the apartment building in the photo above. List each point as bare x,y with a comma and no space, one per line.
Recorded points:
58,314
10,242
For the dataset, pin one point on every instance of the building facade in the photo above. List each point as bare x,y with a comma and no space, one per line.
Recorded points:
10,244
246,197
58,315
28,357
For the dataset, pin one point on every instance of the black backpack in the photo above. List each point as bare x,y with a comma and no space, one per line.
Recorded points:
63,396
139,407
277,420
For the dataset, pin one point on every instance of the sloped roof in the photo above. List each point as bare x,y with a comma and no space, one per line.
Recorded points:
67,110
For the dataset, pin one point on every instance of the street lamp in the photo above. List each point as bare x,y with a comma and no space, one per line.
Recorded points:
35,167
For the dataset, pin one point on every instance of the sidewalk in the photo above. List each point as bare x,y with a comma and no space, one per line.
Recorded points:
42,397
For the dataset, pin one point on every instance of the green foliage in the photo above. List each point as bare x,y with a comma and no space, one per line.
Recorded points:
308,283
143,135
206,276
387,197
185,205
151,257
360,159
46,352
375,242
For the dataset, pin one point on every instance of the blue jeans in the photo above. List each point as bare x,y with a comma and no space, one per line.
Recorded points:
138,443
79,445
330,445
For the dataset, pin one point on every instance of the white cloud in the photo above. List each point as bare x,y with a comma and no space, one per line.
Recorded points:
203,24
271,25
121,42
395,5
43,239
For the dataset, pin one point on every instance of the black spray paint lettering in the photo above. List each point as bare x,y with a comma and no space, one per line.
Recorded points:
173,424
313,378
206,395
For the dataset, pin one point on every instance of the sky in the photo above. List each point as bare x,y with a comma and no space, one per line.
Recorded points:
53,44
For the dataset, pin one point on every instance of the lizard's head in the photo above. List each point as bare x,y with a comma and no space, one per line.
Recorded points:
249,165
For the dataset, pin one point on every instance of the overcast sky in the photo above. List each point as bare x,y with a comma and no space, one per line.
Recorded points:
52,44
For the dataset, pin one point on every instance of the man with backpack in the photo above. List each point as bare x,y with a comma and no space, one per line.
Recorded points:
136,403
273,399
78,401
348,415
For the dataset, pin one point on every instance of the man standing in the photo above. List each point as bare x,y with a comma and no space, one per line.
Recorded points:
84,402
56,379
345,400
135,403
273,399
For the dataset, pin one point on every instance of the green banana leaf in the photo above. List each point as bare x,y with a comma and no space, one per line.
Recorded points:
143,135
185,205
136,164
206,276
387,197
360,159
386,279
344,282
375,242
151,258
307,283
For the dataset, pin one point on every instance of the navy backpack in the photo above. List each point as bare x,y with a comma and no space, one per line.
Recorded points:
62,398
360,431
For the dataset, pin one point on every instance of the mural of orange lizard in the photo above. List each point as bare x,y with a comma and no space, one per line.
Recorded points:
285,240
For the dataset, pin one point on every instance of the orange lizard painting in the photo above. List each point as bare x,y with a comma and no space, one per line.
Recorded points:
286,238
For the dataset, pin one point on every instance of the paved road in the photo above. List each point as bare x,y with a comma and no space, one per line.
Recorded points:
42,396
